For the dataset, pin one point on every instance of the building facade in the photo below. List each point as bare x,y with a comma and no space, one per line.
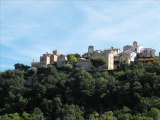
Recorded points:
112,57
147,52
128,57
85,64
134,48
61,61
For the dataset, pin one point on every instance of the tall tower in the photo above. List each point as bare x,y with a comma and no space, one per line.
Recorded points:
56,52
90,49
135,44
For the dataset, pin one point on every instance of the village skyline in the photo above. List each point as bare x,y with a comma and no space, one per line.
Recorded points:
31,28
93,59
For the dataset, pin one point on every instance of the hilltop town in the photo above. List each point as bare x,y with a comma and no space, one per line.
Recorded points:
112,56
58,90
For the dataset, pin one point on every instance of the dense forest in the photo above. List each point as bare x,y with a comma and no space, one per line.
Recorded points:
68,93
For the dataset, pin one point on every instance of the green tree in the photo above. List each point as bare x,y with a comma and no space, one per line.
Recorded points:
154,113
97,62
37,114
32,71
77,55
19,66
109,116
70,112
141,117
82,86
14,116
13,91
72,58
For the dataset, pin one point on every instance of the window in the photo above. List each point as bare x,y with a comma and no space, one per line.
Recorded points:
151,54
136,49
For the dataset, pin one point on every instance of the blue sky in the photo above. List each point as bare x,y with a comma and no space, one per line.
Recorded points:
30,28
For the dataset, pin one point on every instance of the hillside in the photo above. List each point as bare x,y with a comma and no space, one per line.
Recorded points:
51,93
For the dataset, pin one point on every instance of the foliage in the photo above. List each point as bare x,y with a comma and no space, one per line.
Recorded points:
72,58
129,93
70,112
98,61
35,115
19,66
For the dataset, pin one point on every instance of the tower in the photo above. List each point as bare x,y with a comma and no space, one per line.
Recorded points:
135,44
56,52
90,49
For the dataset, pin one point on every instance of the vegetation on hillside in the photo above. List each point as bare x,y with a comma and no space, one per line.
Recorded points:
129,93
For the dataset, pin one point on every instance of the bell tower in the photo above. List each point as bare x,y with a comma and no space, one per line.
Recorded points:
90,49
135,44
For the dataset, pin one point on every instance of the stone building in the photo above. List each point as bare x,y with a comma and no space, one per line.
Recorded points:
110,61
54,56
45,59
134,48
36,64
61,61
113,50
128,57
85,64
112,57
127,47
147,52
107,54
96,53
90,49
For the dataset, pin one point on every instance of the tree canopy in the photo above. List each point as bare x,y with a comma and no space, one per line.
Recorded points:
98,61
129,93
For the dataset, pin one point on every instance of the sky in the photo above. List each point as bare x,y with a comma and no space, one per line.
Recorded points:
30,28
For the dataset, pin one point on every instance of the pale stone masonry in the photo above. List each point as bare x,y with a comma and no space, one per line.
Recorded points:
85,64
44,61
54,56
61,61
147,52
107,54
112,56
131,52
128,57
47,59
